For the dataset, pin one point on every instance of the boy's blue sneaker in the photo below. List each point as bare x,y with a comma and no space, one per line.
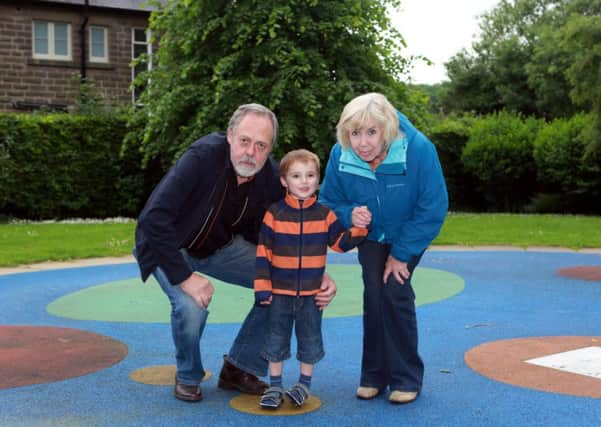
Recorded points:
298,393
272,398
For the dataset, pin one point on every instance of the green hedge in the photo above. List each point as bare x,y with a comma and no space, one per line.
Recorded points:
66,165
570,177
499,153
69,165
450,135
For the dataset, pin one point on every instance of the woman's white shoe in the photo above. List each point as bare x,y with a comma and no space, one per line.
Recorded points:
367,392
402,396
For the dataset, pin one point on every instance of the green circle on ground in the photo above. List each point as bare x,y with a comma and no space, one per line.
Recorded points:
133,301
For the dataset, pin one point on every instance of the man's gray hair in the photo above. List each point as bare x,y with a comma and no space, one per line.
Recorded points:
245,109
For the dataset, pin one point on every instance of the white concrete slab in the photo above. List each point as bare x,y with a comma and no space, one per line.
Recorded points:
583,361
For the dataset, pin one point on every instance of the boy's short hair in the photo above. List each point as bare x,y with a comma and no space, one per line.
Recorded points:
363,109
301,155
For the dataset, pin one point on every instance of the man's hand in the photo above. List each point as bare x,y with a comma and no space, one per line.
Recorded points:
199,288
398,269
327,293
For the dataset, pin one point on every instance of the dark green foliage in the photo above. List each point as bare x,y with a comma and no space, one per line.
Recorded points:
471,87
304,59
564,170
534,57
499,153
450,136
61,165
582,36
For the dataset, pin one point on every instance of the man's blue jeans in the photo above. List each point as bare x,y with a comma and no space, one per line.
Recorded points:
233,264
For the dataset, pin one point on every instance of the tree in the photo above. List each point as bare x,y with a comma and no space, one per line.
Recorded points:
519,63
304,59
471,86
582,35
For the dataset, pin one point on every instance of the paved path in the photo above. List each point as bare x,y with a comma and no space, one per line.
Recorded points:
53,265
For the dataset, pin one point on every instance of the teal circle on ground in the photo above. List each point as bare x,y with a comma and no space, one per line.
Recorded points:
133,301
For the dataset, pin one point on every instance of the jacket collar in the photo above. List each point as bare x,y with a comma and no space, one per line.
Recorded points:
395,162
295,203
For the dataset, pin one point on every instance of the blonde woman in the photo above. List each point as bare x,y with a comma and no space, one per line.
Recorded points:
385,174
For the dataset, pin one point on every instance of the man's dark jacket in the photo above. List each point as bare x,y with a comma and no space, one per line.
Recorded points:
184,204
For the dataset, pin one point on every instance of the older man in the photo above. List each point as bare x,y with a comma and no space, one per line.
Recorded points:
204,218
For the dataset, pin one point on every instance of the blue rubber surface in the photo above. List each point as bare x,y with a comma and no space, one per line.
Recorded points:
508,294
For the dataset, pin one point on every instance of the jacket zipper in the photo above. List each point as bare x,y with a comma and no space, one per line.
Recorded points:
202,228
214,218
380,214
300,251
241,213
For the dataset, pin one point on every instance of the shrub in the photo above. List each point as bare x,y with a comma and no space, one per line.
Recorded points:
64,165
564,167
499,153
450,136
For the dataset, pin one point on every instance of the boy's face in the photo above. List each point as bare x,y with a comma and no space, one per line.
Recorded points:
301,180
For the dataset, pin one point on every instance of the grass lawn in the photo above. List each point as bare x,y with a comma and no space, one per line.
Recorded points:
26,243
23,243
571,231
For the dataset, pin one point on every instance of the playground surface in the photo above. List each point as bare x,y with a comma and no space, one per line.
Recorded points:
508,337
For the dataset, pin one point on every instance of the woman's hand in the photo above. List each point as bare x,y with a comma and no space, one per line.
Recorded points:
397,268
361,216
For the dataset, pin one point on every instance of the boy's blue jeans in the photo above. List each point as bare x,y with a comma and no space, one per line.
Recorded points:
233,264
301,312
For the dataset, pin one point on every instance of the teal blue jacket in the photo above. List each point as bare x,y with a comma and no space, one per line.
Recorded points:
406,194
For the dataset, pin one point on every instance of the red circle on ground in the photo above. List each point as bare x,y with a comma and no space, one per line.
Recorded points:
585,272
36,355
505,361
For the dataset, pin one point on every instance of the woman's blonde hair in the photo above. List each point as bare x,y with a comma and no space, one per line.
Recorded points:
364,109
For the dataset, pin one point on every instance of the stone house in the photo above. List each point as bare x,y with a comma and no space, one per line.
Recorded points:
48,46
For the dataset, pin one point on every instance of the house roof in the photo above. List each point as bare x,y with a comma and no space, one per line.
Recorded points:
113,4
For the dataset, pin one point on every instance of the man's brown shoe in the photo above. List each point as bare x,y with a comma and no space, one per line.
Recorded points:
187,393
234,378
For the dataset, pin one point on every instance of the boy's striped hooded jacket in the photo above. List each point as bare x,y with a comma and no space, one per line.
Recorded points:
293,243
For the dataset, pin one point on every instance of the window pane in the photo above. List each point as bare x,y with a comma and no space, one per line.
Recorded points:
40,44
139,68
140,35
61,39
139,50
98,48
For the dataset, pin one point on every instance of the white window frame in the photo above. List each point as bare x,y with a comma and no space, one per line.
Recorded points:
51,41
103,59
148,45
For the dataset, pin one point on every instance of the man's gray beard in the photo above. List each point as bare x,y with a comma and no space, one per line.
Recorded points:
245,172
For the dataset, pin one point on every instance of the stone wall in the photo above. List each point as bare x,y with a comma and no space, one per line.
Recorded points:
27,82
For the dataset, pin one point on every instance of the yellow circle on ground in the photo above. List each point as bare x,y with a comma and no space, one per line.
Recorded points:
250,404
158,375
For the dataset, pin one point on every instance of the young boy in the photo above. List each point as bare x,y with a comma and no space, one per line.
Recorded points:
291,259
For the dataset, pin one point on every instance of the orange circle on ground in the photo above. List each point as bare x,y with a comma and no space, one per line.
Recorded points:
505,361
249,404
584,272
37,355
158,375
